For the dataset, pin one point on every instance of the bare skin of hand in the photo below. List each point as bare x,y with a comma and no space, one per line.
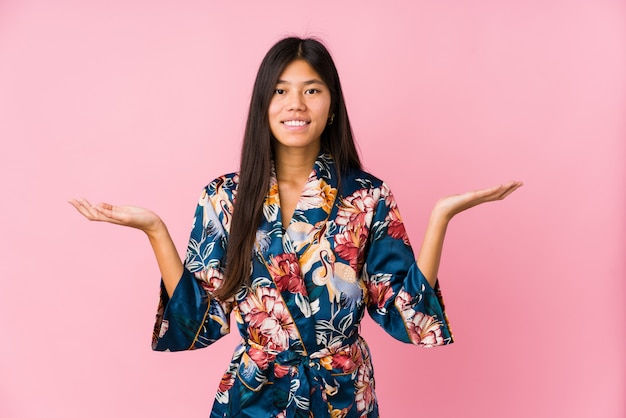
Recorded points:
445,209
452,205
132,216
168,259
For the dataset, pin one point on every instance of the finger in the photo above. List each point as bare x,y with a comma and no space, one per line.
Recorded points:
74,203
105,205
78,202
118,215
109,213
95,212
511,188
501,191
85,209
89,208
81,209
104,208
487,195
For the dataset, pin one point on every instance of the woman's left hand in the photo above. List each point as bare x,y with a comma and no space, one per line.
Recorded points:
445,209
450,206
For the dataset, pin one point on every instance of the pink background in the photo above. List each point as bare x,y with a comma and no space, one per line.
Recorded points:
144,102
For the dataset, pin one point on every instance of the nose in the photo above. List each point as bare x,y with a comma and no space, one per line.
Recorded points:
296,102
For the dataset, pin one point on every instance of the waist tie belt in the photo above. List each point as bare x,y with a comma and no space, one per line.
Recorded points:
304,380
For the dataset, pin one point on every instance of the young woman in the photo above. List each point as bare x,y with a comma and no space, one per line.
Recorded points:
297,244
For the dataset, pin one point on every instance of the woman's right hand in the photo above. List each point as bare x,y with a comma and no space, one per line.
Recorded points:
132,216
170,264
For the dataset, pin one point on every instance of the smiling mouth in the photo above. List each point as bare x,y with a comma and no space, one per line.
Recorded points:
295,123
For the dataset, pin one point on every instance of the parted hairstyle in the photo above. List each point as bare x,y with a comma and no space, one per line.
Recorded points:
257,150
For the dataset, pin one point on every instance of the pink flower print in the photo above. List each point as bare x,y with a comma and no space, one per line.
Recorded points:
403,303
269,323
365,387
227,382
261,357
358,208
422,329
396,226
337,356
281,370
348,358
425,330
210,279
379,292
385,193
350,245
285,271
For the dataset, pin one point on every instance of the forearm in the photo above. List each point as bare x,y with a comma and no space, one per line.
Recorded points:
169,261
429,256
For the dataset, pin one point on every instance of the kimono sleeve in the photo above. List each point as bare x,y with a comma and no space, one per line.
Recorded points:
191,318
400,299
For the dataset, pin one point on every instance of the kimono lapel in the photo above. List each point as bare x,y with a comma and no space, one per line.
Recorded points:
314,207
310,215
288,253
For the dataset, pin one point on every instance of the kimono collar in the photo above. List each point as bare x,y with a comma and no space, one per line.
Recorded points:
314,206
319,191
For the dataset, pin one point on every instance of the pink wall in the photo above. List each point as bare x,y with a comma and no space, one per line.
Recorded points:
145,103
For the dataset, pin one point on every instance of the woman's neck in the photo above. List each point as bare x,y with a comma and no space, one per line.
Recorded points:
293,167
294,164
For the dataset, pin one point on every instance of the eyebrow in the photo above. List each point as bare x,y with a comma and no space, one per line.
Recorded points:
306,83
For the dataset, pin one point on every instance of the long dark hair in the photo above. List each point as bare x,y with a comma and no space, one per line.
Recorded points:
256,152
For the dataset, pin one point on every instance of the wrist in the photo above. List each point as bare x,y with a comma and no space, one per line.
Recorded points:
156,230
441,213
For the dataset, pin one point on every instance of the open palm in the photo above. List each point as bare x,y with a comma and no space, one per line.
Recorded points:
132,216
452,205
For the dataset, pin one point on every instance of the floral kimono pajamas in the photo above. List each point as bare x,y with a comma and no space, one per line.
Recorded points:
301,354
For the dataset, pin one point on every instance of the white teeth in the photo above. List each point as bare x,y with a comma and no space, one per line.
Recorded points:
294,122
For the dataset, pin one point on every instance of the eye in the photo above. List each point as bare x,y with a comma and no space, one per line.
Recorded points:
311,91
279,91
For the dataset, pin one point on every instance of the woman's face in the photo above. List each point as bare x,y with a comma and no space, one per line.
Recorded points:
299,109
